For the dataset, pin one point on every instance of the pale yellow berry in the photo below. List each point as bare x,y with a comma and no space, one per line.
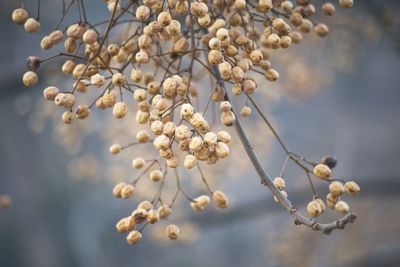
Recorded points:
314,209
134,237
145,204
249,86
173,161
125,225
346,3
331,200
224,136
214,43
142,136
222,34
127,191
70,45
306,26
169,129
225,70
240,4
187,110
164,211
174,28
321,29
114,6
342,207
30,78
196,143
352,188
76,31
215,57
117,189
82,111
157,127
211,138
65,100
67,117
79,71
220,199
153,216
273,40
142,57
68,67
120,109
140,95
221,150
97,80
322,171
155,175
145,41
139,215
336,188
118,79
225,106
90,36
246,111
256,56
46,43
164,18
32,25
285,42
142,13
136,75
56,37
198,9
161,142
138,163
287,6
264,6
50,93
228,118
189,162
328,9
115,149
172,231
320,203
272,75
81,86
182,132
142,117
200,203
280,183
19,16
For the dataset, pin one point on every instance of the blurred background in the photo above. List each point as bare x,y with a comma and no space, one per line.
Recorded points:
337,96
